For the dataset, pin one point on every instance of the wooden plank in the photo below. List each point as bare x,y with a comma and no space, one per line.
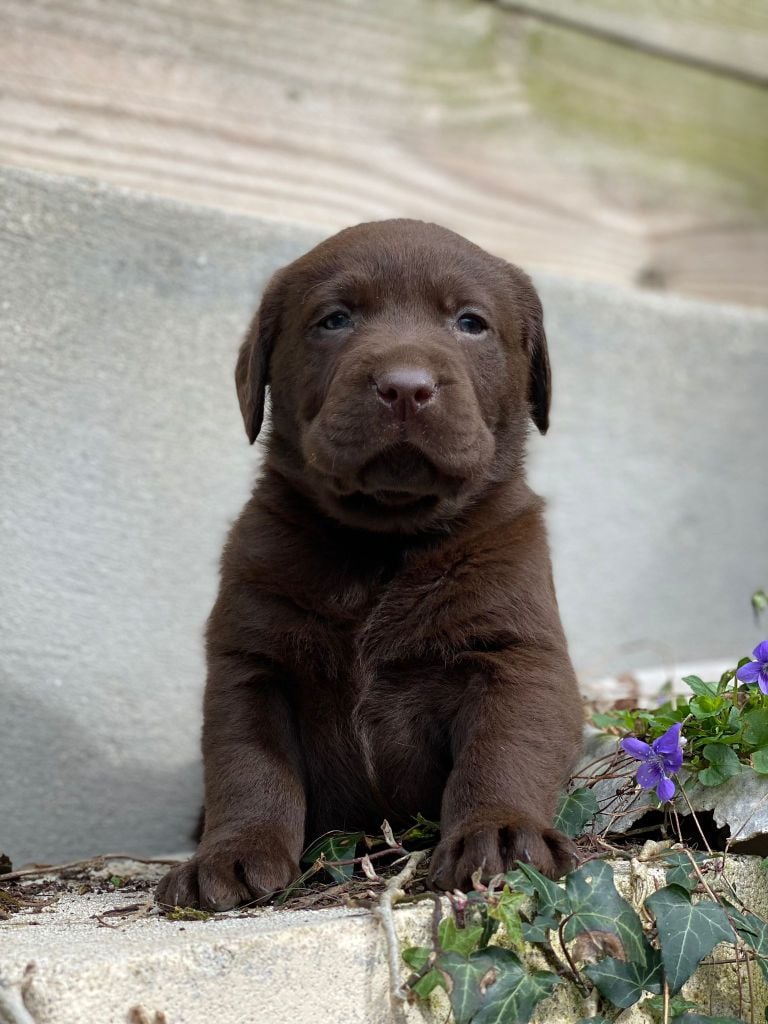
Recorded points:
347,110
729,36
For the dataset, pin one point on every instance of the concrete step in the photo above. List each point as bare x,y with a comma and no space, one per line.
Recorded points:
109,958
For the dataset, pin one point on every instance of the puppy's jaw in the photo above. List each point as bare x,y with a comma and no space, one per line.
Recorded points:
401,487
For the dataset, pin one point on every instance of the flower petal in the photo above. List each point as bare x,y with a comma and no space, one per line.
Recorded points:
673,761
635,748
760,653
665,789
748,673
762,681
648,775
670,741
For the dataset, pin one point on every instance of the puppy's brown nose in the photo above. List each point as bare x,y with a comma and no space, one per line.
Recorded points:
406,390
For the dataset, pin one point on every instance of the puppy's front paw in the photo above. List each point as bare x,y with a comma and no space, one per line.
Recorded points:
224,873
493,841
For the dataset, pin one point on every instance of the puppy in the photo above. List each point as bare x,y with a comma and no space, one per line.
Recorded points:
386,638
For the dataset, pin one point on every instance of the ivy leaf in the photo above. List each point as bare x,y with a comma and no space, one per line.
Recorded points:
575,810
625,983
759,760
723,765
425,985
416,957
453,939
687,932
331,847
680,870
677,1005
518,882
701,688
507,912
492,987
754,931
465,977
552,897
596,906
515,993
539,928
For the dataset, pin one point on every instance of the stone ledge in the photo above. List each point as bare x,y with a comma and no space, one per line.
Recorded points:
69,964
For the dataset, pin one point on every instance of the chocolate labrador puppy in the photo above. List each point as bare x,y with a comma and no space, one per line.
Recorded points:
386,639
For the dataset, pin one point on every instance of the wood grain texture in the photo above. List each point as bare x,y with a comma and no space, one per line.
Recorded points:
730,36
451,110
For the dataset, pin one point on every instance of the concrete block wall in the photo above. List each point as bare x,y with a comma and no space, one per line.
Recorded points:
123,461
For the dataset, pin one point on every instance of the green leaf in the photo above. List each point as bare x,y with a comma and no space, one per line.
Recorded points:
539,928
416,957
515,993
605,720
331,847
756,727
680,870
507,912
759,760
754,931
453,939
596,906
687,932
518,882
425,985
625,983
593,1020
723,765
706,707
465,976
492,987
701,688
677,1005
552,897
575,810
423,829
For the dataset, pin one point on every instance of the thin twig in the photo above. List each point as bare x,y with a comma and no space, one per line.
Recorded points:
91,862
564,946
696,820
393,893
666,1002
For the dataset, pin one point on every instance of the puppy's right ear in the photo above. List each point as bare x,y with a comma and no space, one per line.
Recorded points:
252,369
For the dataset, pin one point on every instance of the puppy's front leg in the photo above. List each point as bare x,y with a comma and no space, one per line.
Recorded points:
255,802
514,742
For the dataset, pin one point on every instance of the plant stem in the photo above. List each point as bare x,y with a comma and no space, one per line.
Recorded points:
393,893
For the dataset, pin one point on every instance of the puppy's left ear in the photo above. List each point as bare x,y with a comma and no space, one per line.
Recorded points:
535,342
252,369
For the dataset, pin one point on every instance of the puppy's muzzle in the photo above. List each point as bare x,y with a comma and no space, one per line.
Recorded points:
405,390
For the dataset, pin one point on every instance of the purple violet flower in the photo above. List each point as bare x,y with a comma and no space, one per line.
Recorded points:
756,671
661,759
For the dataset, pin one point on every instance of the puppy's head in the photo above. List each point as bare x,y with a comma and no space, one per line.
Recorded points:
403,363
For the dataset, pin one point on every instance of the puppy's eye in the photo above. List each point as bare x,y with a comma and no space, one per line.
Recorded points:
336,321
469,323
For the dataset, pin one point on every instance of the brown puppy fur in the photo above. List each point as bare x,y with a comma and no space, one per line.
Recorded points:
386,638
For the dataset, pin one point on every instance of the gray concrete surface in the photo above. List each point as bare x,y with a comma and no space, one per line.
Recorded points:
123,460
68,963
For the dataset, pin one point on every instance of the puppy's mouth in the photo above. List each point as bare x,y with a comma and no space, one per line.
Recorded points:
398,477
398,488
384,503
